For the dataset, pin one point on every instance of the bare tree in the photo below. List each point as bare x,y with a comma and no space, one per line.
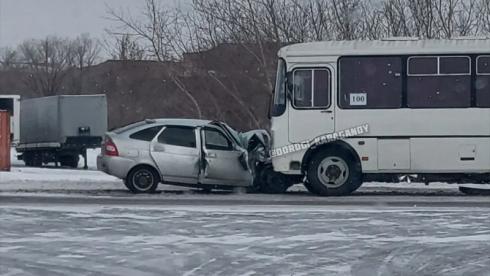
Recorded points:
155,27
424,18
85,51
344,14
397,18
484,16
124,47
371,21
9,58
47,61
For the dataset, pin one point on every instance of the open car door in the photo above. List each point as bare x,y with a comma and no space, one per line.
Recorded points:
223,161
176,153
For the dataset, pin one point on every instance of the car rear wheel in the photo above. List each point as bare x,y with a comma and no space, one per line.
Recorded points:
142,179
333,172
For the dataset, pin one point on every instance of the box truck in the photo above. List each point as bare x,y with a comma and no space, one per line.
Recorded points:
61,128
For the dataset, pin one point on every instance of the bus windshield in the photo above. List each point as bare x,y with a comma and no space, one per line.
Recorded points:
279,100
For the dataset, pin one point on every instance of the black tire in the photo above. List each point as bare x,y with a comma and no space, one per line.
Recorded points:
142,180
69,161
33,160
333,172
271,182
28,163
28,160
309,187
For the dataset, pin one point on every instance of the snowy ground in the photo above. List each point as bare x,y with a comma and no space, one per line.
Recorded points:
243,240
75,222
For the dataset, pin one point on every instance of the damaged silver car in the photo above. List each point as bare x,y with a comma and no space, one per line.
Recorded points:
193,153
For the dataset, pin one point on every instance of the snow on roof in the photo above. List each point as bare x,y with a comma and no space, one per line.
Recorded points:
391,46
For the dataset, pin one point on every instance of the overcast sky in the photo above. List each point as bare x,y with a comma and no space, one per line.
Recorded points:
25,19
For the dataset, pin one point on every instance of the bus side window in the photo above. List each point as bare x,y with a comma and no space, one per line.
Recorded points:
446,85
370,82
483,81
311,88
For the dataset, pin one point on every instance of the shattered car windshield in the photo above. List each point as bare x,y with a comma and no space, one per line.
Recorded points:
235,135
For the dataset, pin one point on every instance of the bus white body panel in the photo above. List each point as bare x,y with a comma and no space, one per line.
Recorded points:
409,137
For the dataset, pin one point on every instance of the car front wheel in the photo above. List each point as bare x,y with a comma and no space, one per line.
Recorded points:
333,172
142,180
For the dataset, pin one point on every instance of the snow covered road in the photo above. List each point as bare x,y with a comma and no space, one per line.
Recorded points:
242,240
74,222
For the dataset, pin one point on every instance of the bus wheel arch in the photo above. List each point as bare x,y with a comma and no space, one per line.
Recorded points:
339,156
337,144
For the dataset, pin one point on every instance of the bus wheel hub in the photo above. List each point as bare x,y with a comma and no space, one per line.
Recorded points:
333,172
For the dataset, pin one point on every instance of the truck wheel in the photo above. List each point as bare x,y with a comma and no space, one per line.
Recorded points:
333,172
32,160
70,161
142,179
28,162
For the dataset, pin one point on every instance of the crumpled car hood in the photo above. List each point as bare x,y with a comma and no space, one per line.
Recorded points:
257,143
260,134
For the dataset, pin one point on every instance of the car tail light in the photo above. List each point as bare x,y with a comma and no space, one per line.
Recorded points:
110,148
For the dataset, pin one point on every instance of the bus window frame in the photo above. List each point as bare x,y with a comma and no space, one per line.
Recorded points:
478,68
438,74
330,86
403,78
473,74
278,109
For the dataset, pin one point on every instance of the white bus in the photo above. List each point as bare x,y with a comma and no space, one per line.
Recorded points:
426,102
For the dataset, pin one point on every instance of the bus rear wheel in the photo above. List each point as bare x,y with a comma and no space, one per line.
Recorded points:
333,172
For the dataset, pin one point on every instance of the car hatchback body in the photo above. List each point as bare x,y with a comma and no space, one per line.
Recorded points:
194,153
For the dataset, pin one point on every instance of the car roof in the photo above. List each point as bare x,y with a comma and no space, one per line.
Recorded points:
151,122
181,122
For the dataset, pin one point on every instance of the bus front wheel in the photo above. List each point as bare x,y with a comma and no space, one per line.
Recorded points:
333,172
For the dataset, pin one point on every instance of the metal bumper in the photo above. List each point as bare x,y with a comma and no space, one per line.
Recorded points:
115,166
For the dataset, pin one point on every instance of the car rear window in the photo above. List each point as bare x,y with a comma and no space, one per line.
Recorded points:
146,134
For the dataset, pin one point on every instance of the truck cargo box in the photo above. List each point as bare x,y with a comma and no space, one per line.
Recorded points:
56,119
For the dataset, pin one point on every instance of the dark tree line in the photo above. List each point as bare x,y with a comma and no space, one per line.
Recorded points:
258,28
48,61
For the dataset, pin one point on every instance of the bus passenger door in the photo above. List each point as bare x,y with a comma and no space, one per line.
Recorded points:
311,110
